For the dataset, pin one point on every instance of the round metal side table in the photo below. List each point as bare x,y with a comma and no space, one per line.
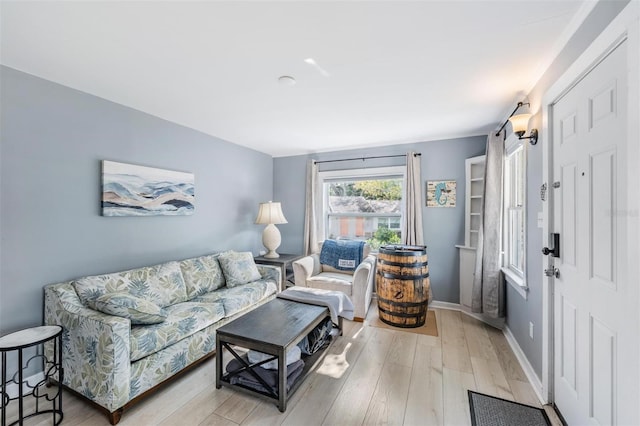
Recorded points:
16,388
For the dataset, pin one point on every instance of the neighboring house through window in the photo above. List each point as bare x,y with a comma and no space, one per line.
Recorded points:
363,204
514,214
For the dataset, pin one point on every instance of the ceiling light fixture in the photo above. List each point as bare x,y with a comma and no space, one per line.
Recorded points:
287,80
520,123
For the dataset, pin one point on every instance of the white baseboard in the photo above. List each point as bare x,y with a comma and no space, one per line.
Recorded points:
493,322
499,323
535,381
12,389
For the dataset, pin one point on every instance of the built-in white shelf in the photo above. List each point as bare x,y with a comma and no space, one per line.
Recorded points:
474,179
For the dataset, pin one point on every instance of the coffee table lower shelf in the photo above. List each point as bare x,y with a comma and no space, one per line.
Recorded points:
310,363
272,328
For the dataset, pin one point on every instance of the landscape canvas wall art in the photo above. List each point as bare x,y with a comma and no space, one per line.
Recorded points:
130,190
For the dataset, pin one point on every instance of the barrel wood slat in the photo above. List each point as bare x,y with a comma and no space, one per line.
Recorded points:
403,287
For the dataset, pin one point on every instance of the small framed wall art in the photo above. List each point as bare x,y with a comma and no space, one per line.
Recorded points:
441,193
130,190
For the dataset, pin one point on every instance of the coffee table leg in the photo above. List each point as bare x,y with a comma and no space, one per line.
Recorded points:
282,380
218,361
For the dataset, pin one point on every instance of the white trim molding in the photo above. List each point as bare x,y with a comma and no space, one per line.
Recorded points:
535,381
493,322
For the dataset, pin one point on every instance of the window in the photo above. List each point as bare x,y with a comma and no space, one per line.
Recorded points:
514,227
363,204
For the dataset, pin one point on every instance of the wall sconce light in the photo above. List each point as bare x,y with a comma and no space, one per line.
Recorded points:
519,123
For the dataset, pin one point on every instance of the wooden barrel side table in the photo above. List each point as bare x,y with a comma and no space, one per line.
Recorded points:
16,388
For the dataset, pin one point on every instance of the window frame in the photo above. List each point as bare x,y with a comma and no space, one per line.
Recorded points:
357,174
514,200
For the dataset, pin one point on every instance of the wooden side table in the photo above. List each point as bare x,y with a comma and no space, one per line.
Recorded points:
285,262
17,385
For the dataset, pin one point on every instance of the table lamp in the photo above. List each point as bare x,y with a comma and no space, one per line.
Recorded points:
270,214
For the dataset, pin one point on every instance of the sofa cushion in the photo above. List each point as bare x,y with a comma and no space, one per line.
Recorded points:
238,268
160,284
202,275
183,320
332,281
139,311
237,298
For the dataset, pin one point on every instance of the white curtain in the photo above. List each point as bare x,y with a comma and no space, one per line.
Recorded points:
312,220
488,284
412,222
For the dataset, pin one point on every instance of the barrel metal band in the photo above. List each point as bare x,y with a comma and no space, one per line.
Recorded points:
406,265
402,253
419,323
402,304
402,314
403,277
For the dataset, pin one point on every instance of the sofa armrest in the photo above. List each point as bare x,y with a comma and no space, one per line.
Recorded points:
305,268
362,289
270,272
95,346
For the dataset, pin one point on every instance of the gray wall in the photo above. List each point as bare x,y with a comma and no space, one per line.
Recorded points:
519,311
443,227
53,140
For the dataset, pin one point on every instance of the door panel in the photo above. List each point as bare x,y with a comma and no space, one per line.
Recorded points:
591,303
602,372
603,205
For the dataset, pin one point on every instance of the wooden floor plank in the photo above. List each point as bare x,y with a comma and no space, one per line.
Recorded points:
388,403
490,378
524,393
424,401
350,407
403,348
477,338
506,357
455,352
455,396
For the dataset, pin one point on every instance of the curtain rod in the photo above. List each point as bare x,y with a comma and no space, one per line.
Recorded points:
415,154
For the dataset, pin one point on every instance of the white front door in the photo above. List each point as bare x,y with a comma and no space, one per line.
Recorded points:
594,305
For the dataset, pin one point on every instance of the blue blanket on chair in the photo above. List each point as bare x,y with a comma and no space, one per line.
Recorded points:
344,255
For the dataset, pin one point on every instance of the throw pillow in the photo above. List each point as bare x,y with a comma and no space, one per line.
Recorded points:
139,311
238,268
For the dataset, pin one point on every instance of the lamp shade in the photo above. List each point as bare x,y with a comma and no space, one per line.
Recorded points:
270,213
520,123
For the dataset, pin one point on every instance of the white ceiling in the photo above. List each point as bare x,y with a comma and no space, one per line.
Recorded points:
389,72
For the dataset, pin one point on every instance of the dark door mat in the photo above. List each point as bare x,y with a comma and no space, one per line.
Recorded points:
488,410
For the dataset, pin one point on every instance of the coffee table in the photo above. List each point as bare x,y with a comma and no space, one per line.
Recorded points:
272,328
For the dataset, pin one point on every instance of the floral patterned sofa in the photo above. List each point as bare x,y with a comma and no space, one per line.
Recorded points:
127,332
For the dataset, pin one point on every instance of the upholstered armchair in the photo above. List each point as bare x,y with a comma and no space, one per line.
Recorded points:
358,284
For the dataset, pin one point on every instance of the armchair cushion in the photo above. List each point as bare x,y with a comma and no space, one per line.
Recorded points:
139,311
238,268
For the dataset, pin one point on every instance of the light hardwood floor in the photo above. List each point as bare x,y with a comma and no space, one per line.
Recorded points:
370,376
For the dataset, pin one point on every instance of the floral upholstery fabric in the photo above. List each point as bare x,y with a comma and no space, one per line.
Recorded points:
100,351
238,268
236,299
161,284
139,311
183,320
202,275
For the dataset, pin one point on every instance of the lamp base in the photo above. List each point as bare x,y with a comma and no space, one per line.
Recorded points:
271,241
